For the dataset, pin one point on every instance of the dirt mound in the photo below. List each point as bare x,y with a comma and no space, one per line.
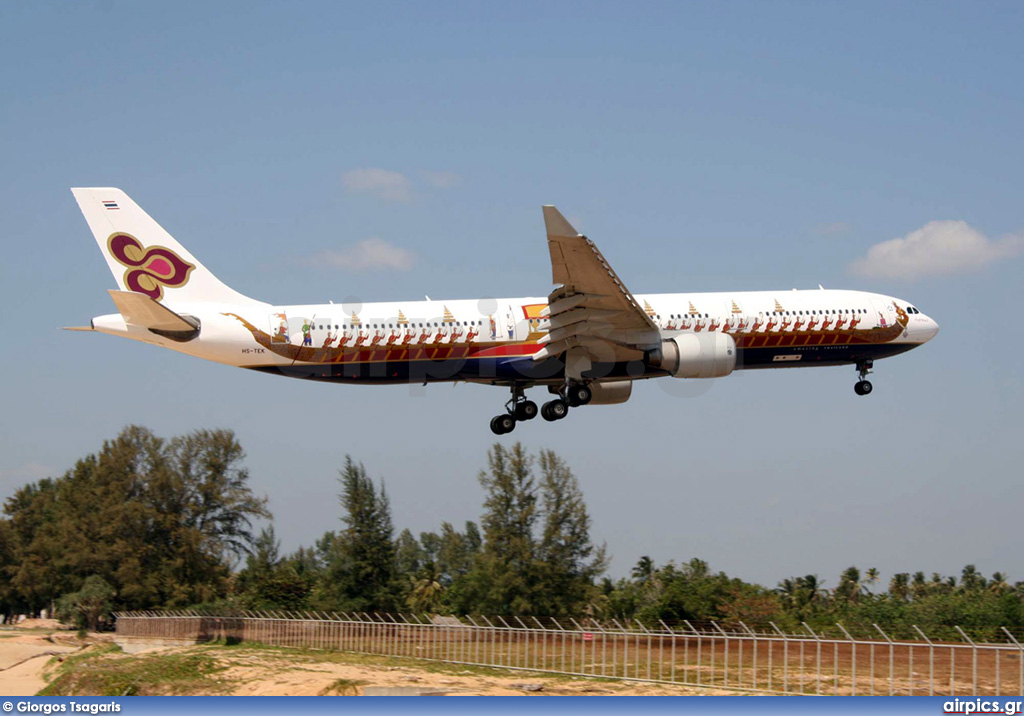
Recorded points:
40,624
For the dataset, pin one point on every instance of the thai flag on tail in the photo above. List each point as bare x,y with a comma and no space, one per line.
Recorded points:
110,205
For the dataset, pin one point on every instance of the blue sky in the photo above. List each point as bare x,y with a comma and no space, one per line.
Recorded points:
703,146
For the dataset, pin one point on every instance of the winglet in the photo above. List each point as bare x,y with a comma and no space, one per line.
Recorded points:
556,224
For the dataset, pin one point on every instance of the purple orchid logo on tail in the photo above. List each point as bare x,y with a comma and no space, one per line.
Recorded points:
149,268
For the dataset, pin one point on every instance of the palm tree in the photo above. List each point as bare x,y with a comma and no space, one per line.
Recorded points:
696,569
426,589
971,580
788,590
899,586
998,583
644,570
813,588
870,577
800,594
919,585
848,588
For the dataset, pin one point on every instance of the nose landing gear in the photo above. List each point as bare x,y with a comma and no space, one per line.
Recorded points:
863,386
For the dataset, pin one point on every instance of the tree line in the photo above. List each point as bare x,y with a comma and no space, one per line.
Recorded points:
151,523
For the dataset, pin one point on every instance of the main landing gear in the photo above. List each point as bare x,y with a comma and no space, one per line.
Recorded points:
570,395
517,408
863,386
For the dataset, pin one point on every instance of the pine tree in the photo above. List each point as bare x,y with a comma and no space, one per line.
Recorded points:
456,553
569,561
409,556
505,577
361,573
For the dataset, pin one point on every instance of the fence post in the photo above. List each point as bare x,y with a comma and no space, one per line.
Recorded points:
892,659
817,641
725,643
853,659
508,634
476,640
672,649
615,650
527,637
638,651
1020,660
785,661
974,660
491,631
700,659
540,651
753,635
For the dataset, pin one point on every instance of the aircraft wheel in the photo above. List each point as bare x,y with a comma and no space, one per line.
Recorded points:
555,410
527,410
862,387
579,394
502,424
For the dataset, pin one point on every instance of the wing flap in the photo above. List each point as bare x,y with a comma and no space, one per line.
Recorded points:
591,305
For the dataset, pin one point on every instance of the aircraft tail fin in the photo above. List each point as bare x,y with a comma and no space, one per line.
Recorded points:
143,257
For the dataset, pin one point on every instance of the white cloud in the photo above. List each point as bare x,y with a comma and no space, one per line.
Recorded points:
368,255
939,248
381,183
440,180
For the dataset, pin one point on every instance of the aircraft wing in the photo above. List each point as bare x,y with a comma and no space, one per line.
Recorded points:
591,312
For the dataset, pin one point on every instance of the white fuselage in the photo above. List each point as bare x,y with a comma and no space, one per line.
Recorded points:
452,340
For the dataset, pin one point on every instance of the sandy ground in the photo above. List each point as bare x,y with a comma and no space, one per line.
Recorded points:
315,679
255,672
23,656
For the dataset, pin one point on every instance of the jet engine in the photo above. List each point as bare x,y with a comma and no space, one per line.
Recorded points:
695,355
611,393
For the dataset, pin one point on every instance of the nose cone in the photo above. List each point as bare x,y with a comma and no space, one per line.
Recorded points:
925,328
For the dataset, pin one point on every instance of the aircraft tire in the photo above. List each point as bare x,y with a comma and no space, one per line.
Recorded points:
555,410
579,394
527,410
863,387
501,424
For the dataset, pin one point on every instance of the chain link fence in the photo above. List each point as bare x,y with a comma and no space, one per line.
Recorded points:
738,658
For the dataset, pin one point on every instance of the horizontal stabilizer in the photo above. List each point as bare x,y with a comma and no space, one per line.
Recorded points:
140,310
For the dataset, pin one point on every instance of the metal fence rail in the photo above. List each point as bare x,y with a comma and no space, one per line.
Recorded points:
712,657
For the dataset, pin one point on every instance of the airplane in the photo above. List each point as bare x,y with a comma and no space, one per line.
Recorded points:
586,342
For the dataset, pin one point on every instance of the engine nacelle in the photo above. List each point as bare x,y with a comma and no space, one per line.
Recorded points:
611,393
695,355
